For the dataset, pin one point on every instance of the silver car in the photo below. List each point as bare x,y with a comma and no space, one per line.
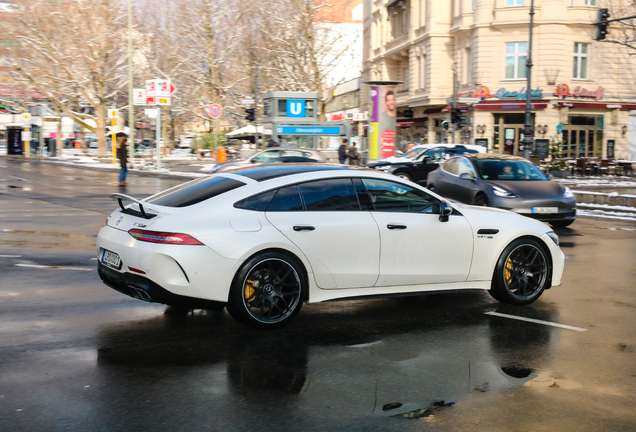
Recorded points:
267,154
506,182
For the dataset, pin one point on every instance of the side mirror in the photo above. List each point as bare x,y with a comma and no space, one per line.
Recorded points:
550,177
445,211
466,176
252,160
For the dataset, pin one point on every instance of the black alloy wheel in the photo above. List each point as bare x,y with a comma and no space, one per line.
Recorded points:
268,291
521,274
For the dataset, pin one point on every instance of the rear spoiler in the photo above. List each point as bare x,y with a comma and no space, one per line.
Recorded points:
120,198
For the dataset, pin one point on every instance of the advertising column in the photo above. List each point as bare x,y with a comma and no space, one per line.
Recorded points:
382,122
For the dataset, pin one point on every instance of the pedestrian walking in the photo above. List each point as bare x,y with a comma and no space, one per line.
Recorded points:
342,151
122,154
272,143
353,155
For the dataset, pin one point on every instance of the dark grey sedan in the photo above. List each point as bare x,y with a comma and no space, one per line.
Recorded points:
268,154
506,182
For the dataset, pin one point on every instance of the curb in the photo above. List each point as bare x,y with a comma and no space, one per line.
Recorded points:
167,176
613,199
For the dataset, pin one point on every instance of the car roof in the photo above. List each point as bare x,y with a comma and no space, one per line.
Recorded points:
268,172
493,156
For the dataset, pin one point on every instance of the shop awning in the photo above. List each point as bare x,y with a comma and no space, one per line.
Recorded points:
596,105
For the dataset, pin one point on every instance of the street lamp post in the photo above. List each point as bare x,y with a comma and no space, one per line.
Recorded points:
528,132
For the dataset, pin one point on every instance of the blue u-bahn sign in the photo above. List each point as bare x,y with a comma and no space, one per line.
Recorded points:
309,130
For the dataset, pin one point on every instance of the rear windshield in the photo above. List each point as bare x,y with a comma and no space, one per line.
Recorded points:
195,192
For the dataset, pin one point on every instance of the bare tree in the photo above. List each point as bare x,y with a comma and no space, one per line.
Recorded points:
622,32
72,50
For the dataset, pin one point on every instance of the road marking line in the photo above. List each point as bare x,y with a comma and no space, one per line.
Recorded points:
10,256
536,321
53,267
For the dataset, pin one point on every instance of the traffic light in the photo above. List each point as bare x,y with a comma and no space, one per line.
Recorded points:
601,24
456,114
445,124
250,114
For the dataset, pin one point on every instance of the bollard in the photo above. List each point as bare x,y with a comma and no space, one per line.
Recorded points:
221,155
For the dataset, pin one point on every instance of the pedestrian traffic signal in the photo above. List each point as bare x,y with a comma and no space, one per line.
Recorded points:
601,24
250,114
445,124
456,114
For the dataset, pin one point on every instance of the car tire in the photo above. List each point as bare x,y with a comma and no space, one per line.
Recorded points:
562,224
403,175
481,200
522,273
268,290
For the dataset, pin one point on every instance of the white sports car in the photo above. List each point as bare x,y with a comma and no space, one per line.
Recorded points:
263,240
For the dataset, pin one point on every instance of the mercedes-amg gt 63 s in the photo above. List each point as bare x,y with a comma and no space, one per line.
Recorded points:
262,241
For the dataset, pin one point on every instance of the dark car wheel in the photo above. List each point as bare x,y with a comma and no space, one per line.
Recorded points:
480,200
268,291
562,224
402,174
521,274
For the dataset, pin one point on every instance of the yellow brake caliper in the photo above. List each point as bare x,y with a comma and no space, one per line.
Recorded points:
249,290
508,271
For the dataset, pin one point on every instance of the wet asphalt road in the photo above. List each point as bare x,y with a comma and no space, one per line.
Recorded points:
76,355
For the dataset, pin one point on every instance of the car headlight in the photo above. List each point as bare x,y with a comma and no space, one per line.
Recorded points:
554,237
501,192
568,193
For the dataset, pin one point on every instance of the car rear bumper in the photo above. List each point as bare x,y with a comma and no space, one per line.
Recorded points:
142,288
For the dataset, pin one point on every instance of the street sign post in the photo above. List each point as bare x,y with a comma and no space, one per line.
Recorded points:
139,96
112,115
159,88
163,101
215,110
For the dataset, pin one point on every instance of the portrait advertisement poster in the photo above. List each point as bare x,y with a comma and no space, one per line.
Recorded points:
382,122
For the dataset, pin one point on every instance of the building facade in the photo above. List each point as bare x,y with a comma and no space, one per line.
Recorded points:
582,90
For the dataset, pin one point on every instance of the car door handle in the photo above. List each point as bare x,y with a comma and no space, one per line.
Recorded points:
396,227
303,228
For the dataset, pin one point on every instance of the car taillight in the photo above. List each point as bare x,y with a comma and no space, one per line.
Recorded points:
163,237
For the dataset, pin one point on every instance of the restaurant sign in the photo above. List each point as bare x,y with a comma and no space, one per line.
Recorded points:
502,93
563,91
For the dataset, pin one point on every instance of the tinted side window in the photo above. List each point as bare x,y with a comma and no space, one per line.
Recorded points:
395,197
196,191
329,195
464,167
286,199
257,202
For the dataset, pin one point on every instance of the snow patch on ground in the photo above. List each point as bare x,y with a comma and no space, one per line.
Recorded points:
606,214
605,181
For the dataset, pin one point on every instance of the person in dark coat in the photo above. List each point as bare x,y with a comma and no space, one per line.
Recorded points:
342,151
272,143
122,154
353,154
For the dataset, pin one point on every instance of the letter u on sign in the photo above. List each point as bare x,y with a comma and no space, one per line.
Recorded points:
295,108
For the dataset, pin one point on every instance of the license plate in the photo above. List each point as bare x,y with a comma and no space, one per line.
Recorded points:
544,210
111,259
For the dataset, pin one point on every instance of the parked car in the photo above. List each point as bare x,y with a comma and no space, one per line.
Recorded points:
506,182
267,154
186,141
291,159
263,240
427,160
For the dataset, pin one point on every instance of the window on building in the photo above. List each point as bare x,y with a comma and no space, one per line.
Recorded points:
468,66
516,55
422,12
581,57
514,2
399,20
590,2
405,76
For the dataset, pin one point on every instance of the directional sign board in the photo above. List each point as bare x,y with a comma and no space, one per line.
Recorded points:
151,101
309,130
159,88
139,96
163,101
215,110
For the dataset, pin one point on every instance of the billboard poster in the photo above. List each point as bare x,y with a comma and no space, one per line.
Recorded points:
382,122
